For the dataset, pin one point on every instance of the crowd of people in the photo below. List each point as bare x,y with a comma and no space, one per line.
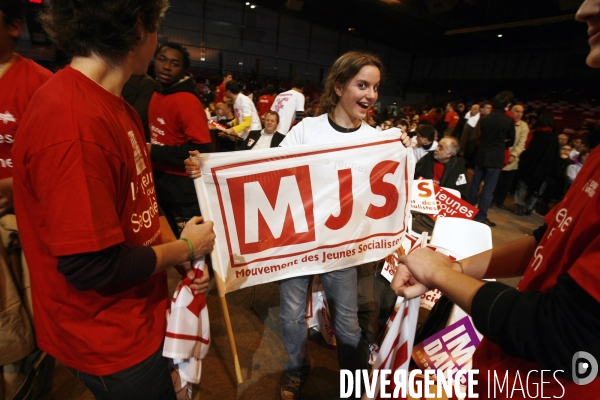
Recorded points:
98,178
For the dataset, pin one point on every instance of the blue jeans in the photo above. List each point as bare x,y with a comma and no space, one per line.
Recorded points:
340,290
148,380
489,176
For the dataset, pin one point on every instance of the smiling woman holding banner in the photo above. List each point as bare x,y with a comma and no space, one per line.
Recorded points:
350,89
550,324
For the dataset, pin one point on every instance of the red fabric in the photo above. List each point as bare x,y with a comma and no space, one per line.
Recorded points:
451,118
530,134
83,182
438,172
571,245
17,86
264,104
220,93
176,119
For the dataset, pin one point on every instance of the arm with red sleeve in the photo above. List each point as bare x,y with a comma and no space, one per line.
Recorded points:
546,328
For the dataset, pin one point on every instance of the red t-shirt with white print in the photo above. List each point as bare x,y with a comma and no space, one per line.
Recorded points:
571,244
82,183
17,85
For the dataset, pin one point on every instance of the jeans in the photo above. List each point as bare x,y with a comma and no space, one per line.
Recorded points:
147,380
503,186
340,290
526,199
489,176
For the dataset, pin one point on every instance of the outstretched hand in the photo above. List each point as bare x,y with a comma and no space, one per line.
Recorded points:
191,168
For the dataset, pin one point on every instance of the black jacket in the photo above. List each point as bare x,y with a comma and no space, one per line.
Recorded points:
455,167
253,137
497,134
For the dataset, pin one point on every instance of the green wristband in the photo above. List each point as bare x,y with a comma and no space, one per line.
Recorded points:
190,246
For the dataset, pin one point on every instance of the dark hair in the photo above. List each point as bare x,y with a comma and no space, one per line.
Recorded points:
275,113
545,120
452,104
582,153
502,99
227,73
346,67
270,89
233,87
12,9
426,131
184,53
298,83
485,103
109,28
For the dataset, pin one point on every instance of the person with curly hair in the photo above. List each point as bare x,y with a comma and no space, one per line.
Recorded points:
91,227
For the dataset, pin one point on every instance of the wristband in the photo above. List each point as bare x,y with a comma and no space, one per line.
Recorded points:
191,247
462,270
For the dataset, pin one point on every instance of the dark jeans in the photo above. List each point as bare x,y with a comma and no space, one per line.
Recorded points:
148,380
179,213
489,176
503,186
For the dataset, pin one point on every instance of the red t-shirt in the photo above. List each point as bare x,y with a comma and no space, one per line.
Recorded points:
571,244
451,118
264,104
83,183
220,93
176,119
17,86
438,172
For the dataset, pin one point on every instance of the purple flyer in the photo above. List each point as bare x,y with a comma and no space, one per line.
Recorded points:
450,349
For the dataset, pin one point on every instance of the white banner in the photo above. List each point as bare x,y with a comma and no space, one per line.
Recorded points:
291,211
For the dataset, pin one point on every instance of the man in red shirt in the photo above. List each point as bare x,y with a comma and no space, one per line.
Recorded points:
178,125
451,119
20,78
265,101
220,96
90,226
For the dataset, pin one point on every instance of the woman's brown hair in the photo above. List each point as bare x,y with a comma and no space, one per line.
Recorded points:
343,70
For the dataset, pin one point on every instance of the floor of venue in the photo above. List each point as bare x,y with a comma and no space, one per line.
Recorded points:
255,319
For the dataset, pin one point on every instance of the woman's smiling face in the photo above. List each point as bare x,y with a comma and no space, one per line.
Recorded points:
359,93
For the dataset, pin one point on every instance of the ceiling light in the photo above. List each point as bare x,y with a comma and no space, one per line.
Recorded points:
248,3
253,6
499,35
350,29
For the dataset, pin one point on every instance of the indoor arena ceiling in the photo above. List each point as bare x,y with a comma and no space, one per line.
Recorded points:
423,27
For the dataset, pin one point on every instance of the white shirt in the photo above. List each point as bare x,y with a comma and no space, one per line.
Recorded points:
319,130
286,104
264,141
420,152
244,107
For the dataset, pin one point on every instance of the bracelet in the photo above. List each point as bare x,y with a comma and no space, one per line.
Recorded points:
462,270
190,246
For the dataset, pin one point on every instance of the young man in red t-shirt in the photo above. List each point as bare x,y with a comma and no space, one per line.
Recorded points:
220,96
178,125
451,119
265,101
20,78
89,222
550,324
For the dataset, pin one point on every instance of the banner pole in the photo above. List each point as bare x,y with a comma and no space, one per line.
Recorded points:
201,192
236,361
